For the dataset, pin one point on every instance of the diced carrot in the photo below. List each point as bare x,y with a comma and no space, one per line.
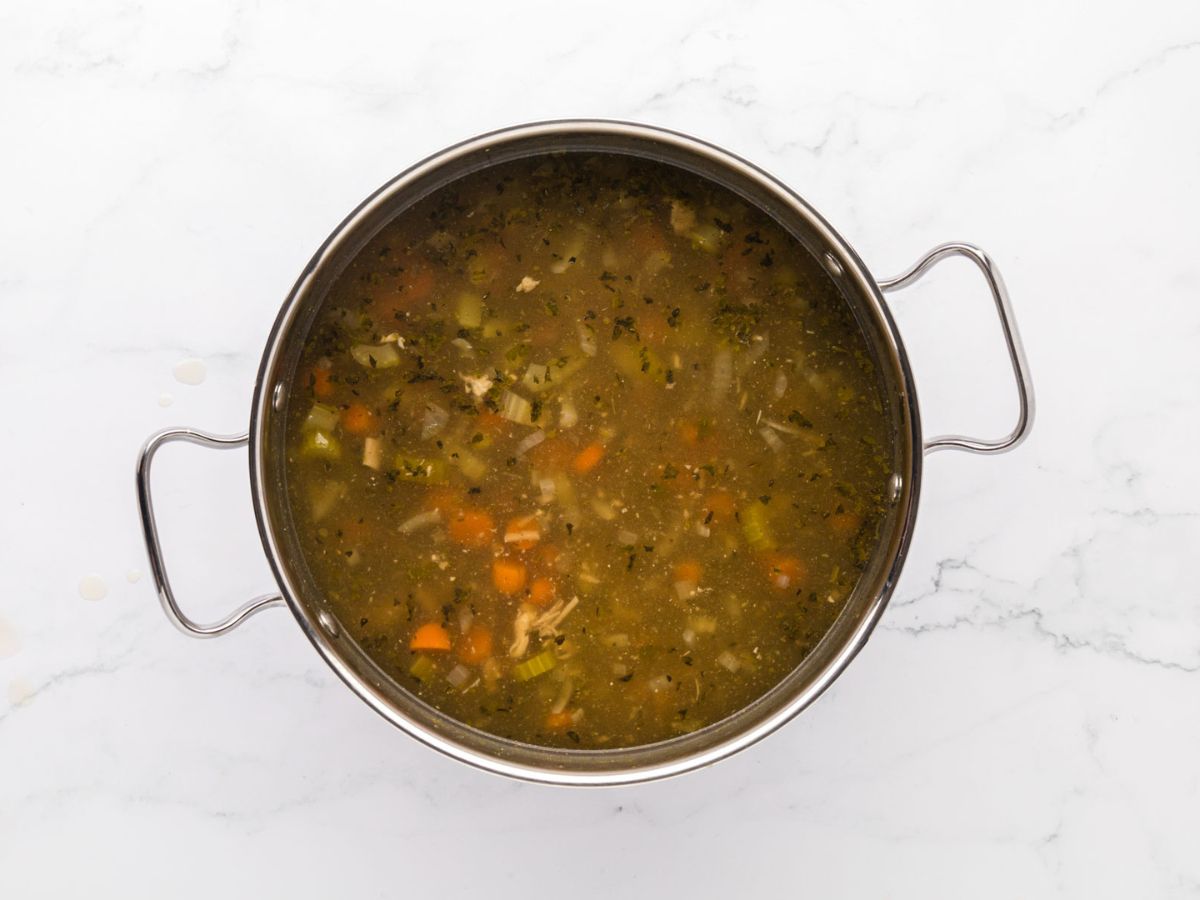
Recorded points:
508,575
721,504
688,571
488,422
522,532
541,591
418,284
588,458
472,527
786,572
430,636
559,721
358,419
476,645
322,385
689,433
845,524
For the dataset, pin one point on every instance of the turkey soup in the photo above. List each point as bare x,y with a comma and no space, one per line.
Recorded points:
586,452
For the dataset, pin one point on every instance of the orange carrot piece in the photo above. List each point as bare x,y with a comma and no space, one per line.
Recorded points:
508,575
721,504
541,591
430,636
358,419
845,524
588,458
559,721
476,646
522,532
786,572
689,433
472,527
688,571
419,285
322,385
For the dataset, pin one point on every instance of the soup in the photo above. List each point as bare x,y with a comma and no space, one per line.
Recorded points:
585,451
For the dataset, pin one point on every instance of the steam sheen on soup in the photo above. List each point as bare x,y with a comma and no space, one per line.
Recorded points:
586,452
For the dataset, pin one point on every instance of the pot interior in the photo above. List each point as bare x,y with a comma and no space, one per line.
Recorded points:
403,708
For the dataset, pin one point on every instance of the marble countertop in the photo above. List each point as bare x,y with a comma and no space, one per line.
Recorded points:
1024,723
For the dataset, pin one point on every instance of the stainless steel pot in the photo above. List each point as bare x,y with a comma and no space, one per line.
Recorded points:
579,767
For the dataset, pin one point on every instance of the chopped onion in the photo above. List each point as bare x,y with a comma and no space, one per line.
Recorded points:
616,640
373,453
321,417
702,529
530,441
689,636
773,440
603,509
780,384
325,498
515,408
626,538
620,669
702,624
729,661
564,697
535,377
587,339
458,675
527,284
470,465
376,356
433,421
464,345
569,415
685,589
781,426
722,372
421,520
466,619
760,343
546,486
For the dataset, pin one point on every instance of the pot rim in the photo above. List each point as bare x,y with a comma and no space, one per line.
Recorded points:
324,630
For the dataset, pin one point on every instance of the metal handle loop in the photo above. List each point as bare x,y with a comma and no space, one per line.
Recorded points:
154,549
1016,352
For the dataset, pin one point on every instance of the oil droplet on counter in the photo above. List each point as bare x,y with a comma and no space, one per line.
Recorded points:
92,587
9,642
191,371
133,576
165,399
19,691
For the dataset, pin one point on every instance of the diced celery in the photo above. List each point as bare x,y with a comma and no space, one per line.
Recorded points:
321,445
535,665
707,237
756,527
422,668
469,310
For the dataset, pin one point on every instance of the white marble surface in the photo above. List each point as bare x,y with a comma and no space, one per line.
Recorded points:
1026,721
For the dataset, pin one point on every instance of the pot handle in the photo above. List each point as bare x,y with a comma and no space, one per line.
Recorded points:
154,549
1016,352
